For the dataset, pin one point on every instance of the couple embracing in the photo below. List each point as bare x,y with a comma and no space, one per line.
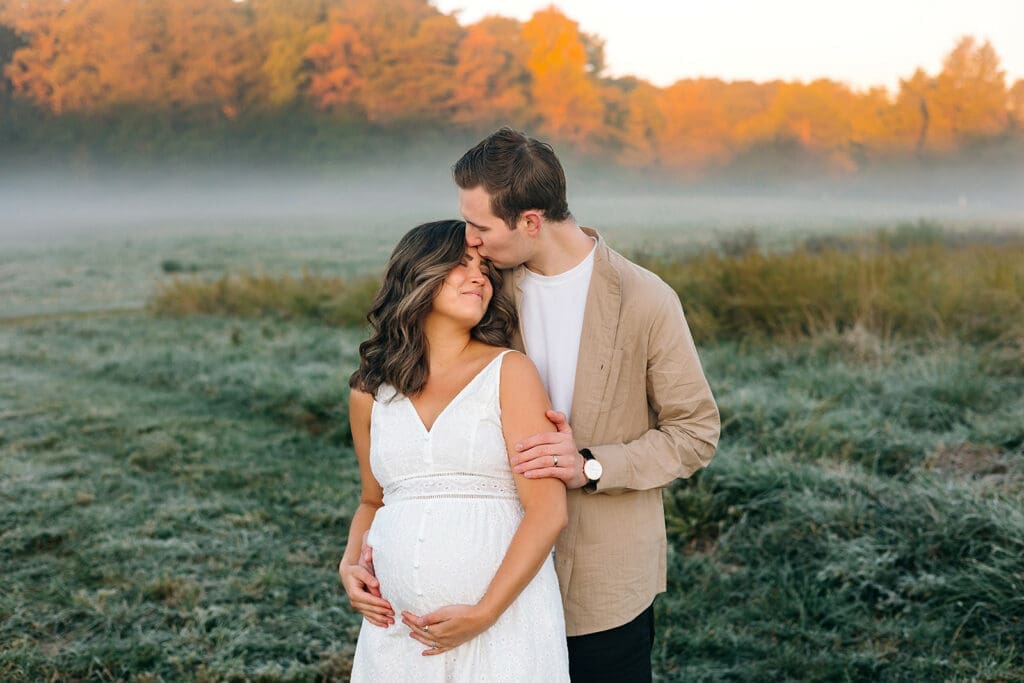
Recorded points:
476,459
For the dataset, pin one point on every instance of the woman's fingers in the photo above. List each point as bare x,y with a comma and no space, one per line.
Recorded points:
433,647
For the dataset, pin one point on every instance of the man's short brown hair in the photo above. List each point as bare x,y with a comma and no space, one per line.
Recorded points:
518,172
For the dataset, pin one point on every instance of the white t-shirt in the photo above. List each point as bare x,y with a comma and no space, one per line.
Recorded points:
551,310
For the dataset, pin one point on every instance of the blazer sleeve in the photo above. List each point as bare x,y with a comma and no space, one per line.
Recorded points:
688,424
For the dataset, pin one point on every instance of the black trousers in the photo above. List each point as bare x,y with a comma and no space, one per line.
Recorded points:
621,654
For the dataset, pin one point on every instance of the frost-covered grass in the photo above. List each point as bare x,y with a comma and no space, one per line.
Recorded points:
174,494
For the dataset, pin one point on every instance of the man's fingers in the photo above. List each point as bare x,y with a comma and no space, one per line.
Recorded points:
359,595
364,576
364,606
377,621
366,552
563,473
538,440
544,456
558,419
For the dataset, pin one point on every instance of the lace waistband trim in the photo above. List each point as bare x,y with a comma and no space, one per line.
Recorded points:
450,485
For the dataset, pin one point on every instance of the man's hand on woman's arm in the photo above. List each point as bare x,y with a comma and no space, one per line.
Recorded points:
551,454
363,589
356,566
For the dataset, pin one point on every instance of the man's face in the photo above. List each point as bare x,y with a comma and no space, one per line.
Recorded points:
503,247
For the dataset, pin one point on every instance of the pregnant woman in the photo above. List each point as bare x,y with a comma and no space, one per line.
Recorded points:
436,403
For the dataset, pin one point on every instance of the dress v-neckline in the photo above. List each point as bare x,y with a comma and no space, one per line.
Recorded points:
419,420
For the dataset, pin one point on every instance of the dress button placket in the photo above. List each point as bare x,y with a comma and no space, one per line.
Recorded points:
428,457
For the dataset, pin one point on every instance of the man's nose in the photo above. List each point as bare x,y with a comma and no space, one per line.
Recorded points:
473,237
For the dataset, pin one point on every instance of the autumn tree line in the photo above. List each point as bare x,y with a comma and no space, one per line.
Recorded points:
196,67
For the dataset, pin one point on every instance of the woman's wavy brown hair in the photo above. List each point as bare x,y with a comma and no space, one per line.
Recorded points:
396,352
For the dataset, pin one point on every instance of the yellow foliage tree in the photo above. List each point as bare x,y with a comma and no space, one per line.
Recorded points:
970,93
1016,104
283,30
696,132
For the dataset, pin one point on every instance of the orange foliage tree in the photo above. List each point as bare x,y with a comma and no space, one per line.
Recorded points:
93,55
390,59
565,95
395,61
492,79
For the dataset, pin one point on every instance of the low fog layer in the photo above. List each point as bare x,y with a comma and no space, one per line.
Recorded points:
51,205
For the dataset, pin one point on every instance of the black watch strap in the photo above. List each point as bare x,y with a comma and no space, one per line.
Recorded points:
587,455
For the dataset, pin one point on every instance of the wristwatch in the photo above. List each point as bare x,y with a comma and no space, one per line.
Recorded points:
592,469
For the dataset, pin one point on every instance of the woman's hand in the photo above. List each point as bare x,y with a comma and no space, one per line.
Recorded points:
448,627
361,585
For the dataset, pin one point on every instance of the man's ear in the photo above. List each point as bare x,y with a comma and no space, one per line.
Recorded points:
530,221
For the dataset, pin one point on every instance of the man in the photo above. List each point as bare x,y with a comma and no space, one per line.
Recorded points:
615,353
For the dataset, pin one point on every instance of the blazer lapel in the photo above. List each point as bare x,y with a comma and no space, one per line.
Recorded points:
597,343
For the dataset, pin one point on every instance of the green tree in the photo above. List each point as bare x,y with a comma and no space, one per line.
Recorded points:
10,41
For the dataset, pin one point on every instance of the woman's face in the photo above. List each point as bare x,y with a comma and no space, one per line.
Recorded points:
467,291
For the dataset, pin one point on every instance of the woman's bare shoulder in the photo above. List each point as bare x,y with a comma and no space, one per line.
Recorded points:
360,400
518,371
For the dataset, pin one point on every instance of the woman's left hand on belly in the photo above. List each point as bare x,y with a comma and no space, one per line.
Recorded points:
448,627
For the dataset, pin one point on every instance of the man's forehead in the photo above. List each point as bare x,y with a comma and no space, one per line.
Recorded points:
476,208
476,196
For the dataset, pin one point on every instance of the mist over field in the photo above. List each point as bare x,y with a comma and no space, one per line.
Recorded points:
48,205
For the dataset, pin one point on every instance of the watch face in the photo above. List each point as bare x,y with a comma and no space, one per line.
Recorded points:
592,468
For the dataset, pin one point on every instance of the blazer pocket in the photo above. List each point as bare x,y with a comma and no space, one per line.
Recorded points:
614,397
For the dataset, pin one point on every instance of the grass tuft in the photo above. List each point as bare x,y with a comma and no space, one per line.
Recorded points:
328,300
912,282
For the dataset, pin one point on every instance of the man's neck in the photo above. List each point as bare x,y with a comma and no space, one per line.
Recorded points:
561,247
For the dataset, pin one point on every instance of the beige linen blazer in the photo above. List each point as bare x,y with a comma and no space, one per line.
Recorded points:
643,407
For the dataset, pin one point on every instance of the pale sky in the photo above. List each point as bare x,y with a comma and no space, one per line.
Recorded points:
864,43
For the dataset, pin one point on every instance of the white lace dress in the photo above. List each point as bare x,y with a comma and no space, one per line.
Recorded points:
450,511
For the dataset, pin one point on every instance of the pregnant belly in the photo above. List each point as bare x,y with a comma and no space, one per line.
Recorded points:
428,553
